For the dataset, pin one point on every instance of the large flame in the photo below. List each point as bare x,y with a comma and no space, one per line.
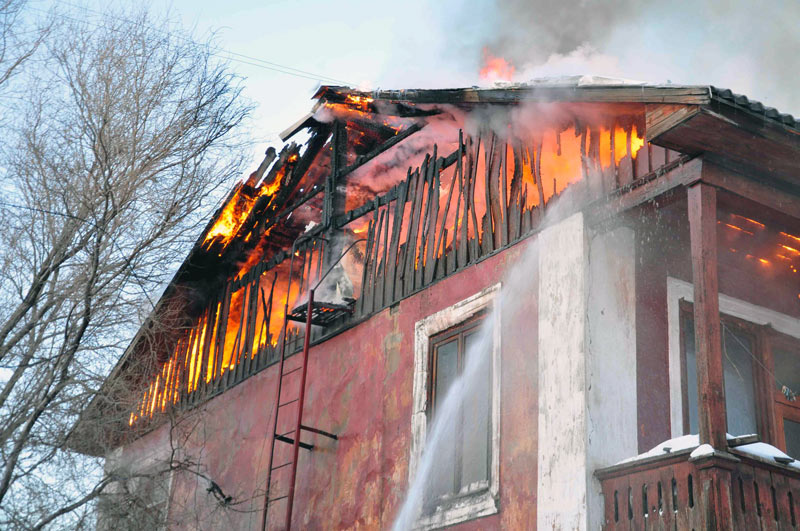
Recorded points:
237,209
550,160
496,68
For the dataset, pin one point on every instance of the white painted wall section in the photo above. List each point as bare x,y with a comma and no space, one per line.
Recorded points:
561,492
611,359
587,368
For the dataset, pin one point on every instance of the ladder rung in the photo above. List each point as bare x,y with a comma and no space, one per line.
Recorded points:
289,440
270,500
281,466
290,372
320,432
289,402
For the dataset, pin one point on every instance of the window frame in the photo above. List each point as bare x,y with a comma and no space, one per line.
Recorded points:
458,332
770,405
481,502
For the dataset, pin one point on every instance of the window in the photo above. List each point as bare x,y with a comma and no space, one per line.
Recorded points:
786,367
465,484
464,465
758,363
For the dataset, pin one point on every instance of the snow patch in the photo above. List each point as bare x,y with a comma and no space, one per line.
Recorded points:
767,453
672,445
704,450
758,450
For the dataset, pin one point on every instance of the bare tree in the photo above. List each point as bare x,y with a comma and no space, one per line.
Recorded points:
125,132
18,40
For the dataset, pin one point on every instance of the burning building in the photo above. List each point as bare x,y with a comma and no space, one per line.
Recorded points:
560,275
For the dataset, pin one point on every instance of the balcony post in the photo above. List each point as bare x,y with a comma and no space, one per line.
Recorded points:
702,203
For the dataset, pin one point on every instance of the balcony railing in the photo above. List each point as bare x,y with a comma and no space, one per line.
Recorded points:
720,491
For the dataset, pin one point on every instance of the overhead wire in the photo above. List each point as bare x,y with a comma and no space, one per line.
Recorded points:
217,51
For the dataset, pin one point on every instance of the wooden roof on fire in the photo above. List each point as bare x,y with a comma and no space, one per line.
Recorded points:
285,199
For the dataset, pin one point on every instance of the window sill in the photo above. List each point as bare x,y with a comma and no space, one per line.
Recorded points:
459,509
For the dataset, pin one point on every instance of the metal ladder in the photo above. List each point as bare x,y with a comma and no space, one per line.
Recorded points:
312,313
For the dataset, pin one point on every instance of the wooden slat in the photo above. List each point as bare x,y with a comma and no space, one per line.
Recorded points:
459,240
473,178
503,182
419,270
391,270
489,188
441,242
378,224
411,240
381,286
360,309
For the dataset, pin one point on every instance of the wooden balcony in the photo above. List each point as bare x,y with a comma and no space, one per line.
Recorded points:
721,491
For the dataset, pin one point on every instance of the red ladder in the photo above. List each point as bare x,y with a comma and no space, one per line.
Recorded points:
291,437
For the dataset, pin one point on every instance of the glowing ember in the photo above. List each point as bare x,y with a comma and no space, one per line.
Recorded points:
496,68
360,102
734,227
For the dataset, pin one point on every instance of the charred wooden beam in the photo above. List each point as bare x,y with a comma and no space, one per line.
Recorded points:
590,93
388,144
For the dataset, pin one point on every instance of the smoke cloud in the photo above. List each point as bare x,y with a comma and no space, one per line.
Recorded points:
751,49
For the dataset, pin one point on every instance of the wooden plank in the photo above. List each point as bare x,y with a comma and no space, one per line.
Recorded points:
411,239
780,483
241,349
211,316
537,173
702,205
252,344
408,248
473,178
419,270
433,219
376,256
228,379
697,95
503,211
764,483
489,158
661,117
219,344
459,241
441,241
381,289
187,366
515,194
360,304
398,277
391,270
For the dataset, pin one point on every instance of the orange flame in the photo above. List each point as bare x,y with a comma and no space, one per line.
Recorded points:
359,102
496,68
238,208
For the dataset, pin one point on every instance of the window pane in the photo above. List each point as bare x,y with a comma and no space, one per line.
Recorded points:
443,473
476,414
787,369
737,365
791,430
740,400
446,369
